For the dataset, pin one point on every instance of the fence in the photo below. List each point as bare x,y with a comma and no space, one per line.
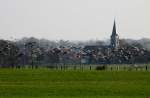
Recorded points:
107,67
128,67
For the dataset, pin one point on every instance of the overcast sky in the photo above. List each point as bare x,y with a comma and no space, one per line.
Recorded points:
74,19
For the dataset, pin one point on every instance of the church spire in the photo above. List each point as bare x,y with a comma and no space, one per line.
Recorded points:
114,38
114,28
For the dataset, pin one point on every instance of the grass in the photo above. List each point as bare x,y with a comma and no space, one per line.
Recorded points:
46,83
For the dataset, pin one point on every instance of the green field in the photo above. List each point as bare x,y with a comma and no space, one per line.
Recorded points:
46,83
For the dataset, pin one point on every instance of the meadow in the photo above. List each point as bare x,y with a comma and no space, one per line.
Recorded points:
47,83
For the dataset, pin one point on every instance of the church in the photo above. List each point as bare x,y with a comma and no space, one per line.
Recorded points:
114,42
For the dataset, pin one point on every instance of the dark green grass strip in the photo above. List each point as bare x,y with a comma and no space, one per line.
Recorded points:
45,83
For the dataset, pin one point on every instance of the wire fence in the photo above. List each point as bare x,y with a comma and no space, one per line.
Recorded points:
90,67
128,67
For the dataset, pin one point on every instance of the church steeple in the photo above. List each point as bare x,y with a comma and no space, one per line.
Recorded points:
114,28
114,38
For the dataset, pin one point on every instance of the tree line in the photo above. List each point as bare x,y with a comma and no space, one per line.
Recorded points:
32,52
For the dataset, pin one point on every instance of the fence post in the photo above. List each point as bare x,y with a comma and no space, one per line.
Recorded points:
82,67
111,68
124,68
61,67
74,67
66,67
56,67
117,68
146,67
90,67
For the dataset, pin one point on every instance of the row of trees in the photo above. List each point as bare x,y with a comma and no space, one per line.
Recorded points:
33,52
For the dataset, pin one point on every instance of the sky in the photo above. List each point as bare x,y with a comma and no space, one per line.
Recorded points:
74,19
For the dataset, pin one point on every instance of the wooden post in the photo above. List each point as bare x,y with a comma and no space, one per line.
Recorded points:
90,67
117,68
74,67
61,67
82,67
136,68
111,68
146,67
124,68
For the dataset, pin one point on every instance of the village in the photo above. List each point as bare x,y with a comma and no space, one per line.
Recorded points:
29,53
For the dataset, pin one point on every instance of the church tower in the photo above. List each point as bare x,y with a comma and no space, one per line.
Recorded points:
114,41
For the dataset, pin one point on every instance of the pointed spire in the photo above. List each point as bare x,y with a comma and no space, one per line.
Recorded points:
114,38
114,28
